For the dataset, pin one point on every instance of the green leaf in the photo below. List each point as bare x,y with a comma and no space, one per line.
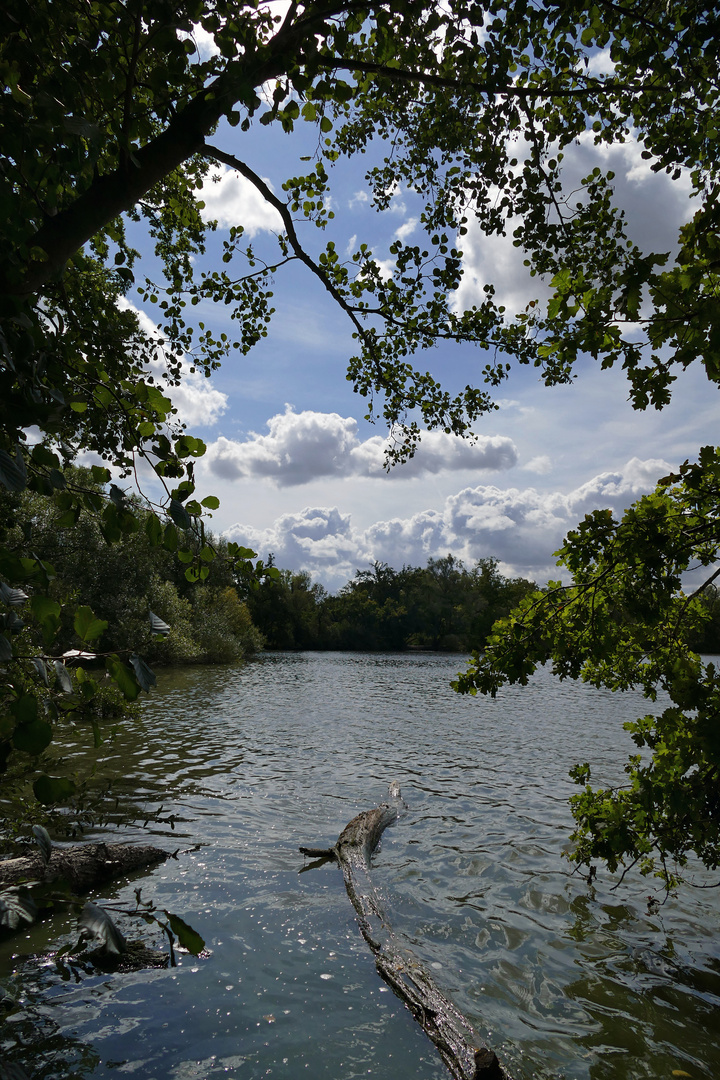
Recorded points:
32,738
153,530
100,474
87,627
24,709
170,538
45,457
179,514
47,612
188,938
123,676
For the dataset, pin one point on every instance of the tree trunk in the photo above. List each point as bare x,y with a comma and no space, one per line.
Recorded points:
465,1054
82,866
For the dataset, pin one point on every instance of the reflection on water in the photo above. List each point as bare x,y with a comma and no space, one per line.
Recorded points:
250,762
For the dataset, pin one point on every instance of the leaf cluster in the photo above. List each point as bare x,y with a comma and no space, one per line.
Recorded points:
629,620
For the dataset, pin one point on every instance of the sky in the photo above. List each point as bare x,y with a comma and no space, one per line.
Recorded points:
300,473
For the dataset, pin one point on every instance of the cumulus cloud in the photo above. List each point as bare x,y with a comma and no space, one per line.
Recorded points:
654,205
519,527
197,403
316,539
540,465
406,229
305,446
203,41
233,200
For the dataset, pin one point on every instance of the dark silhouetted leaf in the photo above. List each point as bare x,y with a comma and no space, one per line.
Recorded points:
53,789
187,937
63,677
5,648
41,668
100,925
14,597
15,908
13,474
32,738
44,842
145,675
179,514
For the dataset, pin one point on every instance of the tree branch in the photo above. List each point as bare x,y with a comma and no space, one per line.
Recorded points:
510,90
301,254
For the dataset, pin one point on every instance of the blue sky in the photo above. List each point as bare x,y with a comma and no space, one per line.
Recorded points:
300,473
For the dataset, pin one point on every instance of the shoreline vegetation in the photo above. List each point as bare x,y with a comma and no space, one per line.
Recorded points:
443,606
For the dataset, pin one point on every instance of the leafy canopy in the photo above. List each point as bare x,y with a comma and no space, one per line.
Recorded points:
112,116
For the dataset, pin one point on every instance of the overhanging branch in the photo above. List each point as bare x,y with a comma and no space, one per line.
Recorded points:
235,163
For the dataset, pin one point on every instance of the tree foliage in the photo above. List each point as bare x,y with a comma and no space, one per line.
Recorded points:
111,118
625,621
440,606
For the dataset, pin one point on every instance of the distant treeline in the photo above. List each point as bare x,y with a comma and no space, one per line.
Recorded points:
443,605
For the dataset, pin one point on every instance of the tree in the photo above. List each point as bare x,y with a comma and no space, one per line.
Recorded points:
624,622
111,116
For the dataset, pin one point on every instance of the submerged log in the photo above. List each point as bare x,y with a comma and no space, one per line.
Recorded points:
82,866
465,1054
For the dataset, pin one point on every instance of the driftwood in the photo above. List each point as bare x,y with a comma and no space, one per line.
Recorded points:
465,1054
82,866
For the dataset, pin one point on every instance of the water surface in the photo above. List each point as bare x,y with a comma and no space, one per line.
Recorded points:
562,979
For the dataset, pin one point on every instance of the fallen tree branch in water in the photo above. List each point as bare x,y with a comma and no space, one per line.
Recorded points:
465,1054
82,866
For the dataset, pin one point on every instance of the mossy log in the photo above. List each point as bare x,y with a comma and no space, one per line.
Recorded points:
465,1054
82,866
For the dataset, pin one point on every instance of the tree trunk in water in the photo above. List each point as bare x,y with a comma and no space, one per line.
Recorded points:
465,1054
82,866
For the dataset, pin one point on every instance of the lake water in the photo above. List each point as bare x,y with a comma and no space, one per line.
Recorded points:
563,980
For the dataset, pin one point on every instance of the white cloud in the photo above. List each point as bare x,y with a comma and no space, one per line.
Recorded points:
601,64
540,465
407,229
386,267
198,404
305,446
358,199
233,200
205,46
397,204
320,540
521,528
654,205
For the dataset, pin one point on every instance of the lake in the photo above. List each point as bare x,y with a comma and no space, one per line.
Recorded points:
564,980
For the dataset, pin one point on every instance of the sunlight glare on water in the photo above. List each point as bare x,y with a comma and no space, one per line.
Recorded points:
563,980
